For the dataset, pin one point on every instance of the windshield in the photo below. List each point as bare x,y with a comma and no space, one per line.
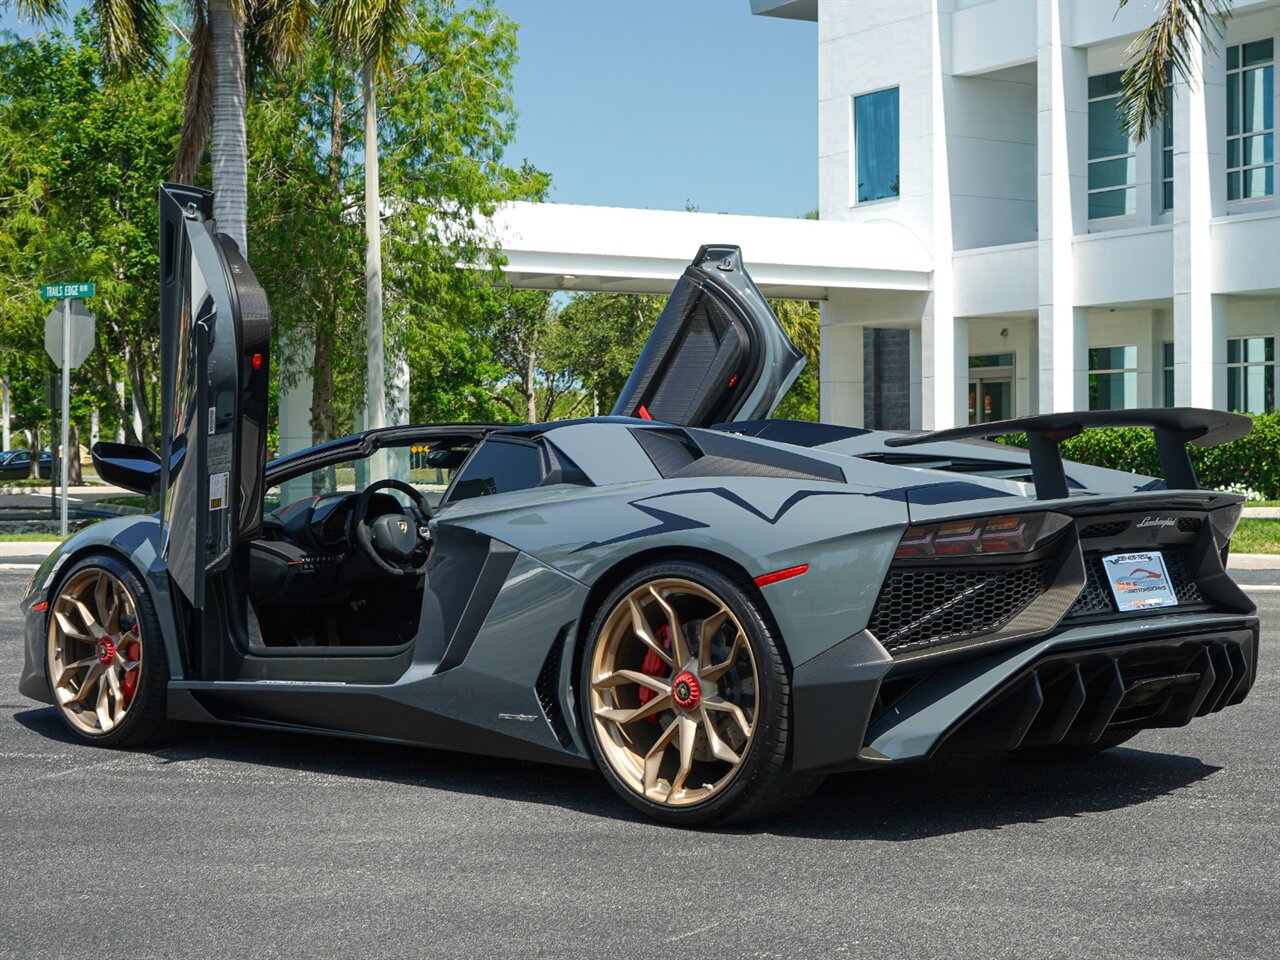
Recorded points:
427,468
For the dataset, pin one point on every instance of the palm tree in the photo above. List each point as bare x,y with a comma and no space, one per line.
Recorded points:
372,32
1168,41
132,36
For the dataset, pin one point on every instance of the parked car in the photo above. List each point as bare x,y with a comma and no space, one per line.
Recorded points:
712,608
16,464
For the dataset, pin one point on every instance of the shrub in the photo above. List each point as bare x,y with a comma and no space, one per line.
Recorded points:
1251,463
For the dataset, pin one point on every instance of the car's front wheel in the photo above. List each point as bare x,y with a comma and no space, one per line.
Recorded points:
105,657
685,697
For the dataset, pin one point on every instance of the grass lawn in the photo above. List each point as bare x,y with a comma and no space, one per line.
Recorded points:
28,537
1256,536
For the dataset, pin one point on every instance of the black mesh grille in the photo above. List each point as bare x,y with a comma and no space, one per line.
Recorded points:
1096,598
548,681
1184,585
1110,528
1188,524
920,607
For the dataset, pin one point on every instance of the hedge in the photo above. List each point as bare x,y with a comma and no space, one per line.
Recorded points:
1252,462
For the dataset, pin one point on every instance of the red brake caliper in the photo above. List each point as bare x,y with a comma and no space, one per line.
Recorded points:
654,667
129,682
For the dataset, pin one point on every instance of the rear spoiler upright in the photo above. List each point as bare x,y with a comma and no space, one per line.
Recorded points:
1174,428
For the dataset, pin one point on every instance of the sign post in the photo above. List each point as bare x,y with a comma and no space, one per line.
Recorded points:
66,361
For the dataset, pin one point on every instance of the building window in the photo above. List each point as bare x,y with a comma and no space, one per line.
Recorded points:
1166,153
1166,352
875,137
1113,378
1251,374
1251,122
1113,163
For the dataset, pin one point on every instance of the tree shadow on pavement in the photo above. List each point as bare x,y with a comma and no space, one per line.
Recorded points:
943,796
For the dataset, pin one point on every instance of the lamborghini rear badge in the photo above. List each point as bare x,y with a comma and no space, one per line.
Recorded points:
522,717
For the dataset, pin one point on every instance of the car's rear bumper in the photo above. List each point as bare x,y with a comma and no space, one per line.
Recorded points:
1069,688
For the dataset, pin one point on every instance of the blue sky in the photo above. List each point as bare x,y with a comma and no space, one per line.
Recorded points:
652,103
655,103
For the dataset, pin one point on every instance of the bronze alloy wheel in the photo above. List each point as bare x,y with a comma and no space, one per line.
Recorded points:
674,692
94,651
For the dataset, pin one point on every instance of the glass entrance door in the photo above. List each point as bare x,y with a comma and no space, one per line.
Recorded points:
991,388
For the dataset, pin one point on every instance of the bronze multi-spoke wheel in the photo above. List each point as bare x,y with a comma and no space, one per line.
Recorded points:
685,698
106,666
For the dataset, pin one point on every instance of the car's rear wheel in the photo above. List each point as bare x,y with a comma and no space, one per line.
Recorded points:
685,697
105,657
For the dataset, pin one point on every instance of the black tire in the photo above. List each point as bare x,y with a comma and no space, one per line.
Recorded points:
145,722
763,784
1078,751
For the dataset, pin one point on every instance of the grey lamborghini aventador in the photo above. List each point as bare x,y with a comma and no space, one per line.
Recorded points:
712,608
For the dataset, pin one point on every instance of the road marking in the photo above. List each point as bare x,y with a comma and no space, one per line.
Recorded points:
1249,587
19,566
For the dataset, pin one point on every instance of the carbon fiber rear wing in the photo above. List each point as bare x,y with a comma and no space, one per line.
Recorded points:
1174,428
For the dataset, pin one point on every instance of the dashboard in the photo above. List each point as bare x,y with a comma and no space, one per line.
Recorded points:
307,551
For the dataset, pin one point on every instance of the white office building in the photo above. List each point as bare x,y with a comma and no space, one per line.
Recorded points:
1071,267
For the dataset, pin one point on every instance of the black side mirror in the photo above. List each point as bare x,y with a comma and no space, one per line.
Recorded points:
124,465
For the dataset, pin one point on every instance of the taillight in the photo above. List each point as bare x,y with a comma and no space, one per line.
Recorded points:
982,535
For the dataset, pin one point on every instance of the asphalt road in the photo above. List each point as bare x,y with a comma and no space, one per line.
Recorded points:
242,845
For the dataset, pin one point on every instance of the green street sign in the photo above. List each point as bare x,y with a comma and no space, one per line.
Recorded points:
73,291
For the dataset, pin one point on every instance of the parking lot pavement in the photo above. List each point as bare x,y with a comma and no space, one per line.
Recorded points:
243,844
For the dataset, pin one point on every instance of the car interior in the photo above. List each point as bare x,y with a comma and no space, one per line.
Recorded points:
341,559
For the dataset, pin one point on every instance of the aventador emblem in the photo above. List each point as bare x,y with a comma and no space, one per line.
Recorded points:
403,525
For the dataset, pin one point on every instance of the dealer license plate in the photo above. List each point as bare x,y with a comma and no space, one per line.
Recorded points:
1139,580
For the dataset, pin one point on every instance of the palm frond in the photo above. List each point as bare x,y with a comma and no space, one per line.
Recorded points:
370,30
282,28
44,11
131,34
197,97
1166,43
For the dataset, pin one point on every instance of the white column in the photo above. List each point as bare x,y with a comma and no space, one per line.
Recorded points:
840,391
944,370
1062,129
120,425
1199,191
945,341
297,354
915,371
398,412
137,418
4,388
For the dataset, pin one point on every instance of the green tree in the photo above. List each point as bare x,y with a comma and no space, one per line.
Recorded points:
132,36
598,338
81,151
443,121
373,33
800,318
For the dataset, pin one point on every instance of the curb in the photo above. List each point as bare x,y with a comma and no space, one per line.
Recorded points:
1253,561
26,551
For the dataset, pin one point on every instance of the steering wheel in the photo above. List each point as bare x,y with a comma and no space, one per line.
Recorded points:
391,539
